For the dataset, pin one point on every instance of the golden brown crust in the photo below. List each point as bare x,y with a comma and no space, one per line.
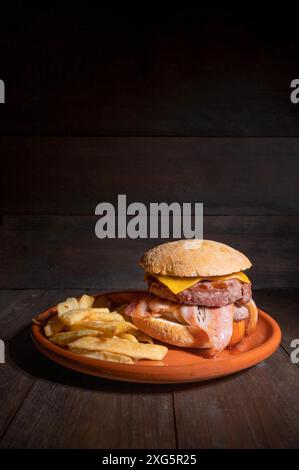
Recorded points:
172,333
191,258
183,335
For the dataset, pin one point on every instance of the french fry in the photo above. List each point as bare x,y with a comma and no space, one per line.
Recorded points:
108,328
74,316
122,327
54,326
104,356
90,328
69,304
77,315
129,336
86,301
104,316
121,346
63,339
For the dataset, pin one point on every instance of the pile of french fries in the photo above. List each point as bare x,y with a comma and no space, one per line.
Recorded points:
97,332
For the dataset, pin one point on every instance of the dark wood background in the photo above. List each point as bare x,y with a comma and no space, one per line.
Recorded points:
94,70
51,186
188,105
185,105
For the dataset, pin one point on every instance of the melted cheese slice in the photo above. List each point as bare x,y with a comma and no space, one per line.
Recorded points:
179,284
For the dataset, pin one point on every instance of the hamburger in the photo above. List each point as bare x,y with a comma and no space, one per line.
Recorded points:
198,296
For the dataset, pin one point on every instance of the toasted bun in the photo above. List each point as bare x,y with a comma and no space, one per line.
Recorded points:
183,335
172,333
191,258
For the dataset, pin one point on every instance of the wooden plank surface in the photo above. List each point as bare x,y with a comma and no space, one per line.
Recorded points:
63,251
283,307
107,416
14,387
72,175
17,308
14,382
23,305
257,408
192,71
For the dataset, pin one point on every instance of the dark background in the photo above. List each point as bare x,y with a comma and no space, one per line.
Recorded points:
162,104
186,104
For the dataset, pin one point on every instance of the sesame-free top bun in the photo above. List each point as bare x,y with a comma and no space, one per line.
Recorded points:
191,258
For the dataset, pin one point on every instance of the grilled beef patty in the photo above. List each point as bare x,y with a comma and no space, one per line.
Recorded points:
206,293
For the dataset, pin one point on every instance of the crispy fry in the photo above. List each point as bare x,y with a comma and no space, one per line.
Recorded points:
54,326
129,336
108,328
86,301
77,315
104,316
74,316
69,304
121,346
87,327
104,356
62,339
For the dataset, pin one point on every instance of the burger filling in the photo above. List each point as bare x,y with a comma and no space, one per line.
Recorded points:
207,293
216,322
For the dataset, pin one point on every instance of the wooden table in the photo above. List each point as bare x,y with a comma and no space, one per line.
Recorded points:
46,406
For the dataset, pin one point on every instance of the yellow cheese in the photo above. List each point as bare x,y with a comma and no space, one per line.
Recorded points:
179,284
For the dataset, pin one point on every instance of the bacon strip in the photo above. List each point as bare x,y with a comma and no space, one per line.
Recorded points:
217,322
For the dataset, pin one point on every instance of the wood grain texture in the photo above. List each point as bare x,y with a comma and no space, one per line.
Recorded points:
14,382
81,419
192,71
14,387
92,413
257,408
72,175
18,373
20,306
63,251
283,307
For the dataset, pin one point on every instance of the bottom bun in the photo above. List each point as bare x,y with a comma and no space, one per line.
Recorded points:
170,332
183,335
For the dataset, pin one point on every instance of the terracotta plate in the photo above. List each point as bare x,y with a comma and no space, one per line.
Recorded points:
179,365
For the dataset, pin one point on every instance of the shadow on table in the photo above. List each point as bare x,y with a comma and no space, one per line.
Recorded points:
25,356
